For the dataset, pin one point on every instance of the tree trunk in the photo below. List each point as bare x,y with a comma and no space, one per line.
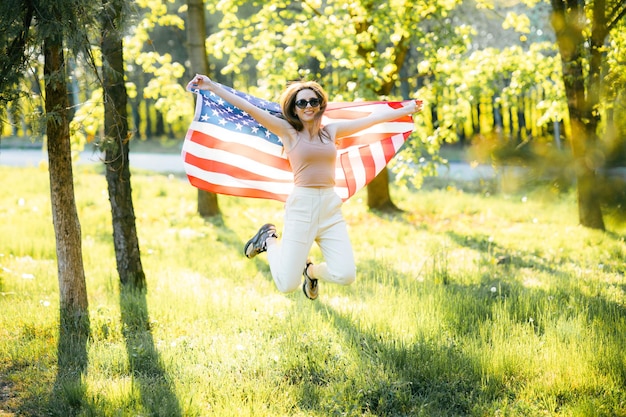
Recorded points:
567,23
72,286
160,125
196,34
378,197
116,144
147,105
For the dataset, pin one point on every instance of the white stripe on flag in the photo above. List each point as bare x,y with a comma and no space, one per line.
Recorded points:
378,154
356,163
236,160
397,140
225,180
230,136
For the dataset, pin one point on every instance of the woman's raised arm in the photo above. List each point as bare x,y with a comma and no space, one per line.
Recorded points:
276,125
350,127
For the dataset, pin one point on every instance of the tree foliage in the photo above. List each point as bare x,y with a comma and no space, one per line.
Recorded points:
359,50
511,99
54,30
154,80
14,35
356,49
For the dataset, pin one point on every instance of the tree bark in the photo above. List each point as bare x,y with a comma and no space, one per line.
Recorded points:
582,99
378,197
71,272
116,144
196,34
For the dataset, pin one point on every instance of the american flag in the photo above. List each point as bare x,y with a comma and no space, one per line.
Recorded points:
227,152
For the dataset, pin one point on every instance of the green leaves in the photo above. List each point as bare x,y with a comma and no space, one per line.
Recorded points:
336,43
519,22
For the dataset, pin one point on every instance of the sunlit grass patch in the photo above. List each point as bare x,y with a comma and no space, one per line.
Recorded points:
464,304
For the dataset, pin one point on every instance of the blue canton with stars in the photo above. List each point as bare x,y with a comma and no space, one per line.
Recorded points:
219,112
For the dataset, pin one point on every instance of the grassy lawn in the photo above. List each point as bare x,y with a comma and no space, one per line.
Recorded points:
466,304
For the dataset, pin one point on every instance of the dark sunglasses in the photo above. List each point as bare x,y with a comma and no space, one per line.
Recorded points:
302,103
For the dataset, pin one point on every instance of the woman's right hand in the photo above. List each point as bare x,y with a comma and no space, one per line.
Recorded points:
201,82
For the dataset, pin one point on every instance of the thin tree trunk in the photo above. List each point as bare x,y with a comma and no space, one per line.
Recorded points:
116,143
378,197
71,272
196,34
160,125
147,105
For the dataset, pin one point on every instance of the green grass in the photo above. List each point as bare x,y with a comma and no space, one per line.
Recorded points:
467,304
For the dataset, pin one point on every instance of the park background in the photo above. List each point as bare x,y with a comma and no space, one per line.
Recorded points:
501,295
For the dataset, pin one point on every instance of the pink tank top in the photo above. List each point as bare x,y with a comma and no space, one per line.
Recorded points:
313,163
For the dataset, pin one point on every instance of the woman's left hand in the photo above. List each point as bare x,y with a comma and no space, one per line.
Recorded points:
201,82
419,105
414,106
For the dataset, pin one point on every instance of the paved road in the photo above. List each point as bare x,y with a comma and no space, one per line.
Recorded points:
162,163
172,163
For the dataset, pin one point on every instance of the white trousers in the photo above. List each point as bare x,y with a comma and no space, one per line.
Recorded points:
312,215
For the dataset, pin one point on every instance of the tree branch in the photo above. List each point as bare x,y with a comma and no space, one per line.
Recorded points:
15,51
619,14
317,12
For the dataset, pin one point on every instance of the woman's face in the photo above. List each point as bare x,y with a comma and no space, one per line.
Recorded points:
307,105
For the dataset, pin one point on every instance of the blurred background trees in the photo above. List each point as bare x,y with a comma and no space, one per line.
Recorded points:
491,71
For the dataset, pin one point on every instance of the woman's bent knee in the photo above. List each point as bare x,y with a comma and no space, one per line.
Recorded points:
287,286
346,278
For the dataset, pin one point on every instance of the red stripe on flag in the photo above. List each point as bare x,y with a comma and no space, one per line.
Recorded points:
239,149
209,165
363,139
235,191
389,148
368,163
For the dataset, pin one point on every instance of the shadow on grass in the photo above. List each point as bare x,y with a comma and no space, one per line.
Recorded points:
503,256
229,239
385,375
68,392
400,378
225,235
157,394
439,379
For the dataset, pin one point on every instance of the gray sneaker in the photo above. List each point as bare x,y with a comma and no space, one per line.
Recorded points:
257,244
309,286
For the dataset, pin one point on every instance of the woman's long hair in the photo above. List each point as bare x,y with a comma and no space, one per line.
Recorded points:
288,103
